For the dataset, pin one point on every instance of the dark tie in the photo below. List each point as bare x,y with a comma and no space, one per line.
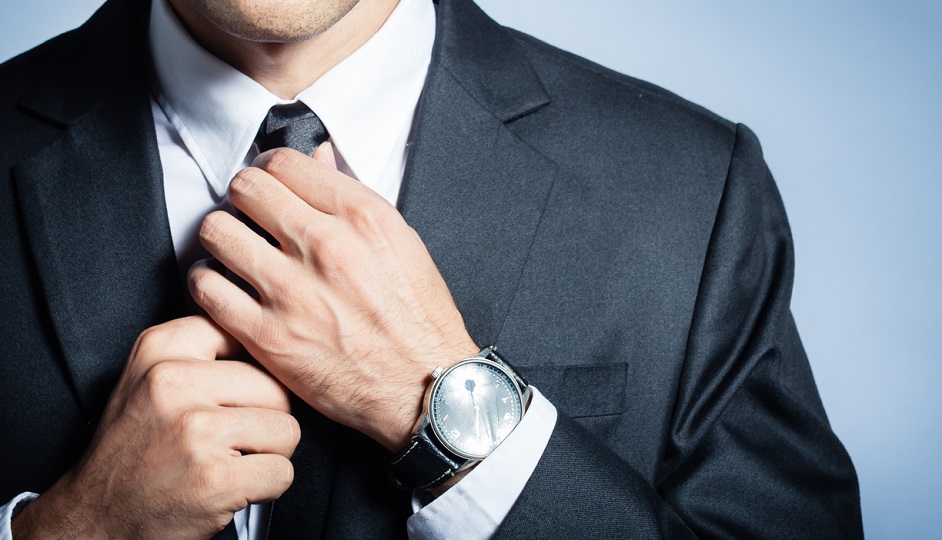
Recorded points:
293,125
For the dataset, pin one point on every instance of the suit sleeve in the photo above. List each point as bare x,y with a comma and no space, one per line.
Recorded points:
750,453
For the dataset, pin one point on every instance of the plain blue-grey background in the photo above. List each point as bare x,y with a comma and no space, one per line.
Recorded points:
845,96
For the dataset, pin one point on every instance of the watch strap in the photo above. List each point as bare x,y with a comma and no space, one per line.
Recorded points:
423,463
490,353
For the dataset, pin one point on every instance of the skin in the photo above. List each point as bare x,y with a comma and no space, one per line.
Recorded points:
352,317
185,441
352,314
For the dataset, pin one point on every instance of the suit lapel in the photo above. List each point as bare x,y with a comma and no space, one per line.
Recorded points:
94,206
474,191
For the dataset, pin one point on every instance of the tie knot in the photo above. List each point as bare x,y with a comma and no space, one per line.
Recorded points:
292,125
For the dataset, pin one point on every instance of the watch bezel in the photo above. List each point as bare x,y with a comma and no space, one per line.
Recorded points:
438,381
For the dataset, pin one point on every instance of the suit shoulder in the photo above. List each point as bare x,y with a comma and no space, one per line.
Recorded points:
589,88
641,145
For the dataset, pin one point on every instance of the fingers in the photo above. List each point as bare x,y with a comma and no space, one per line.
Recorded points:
222,383
262,477
227,304
239,384
317,182
239,248
258,431
273,206
325,154
195,337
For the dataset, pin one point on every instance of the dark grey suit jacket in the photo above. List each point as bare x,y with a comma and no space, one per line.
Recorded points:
626,249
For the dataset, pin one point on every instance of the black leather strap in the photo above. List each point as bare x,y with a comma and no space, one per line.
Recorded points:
423,463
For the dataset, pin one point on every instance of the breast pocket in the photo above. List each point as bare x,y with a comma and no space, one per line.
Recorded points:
594,395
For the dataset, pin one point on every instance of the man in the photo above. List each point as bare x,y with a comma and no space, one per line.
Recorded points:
625,250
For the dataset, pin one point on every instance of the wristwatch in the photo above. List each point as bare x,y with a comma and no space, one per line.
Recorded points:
469,409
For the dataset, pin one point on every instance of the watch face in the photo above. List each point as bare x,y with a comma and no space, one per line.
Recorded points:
473,407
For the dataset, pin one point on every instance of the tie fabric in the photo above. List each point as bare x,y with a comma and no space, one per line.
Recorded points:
292,125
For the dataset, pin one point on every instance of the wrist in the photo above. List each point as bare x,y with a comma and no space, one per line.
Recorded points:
450,483
53,515
406,405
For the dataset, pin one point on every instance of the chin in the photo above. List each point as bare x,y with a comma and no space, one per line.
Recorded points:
272,21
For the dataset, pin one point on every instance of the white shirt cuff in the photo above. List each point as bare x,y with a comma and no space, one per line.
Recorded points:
475,507
8,510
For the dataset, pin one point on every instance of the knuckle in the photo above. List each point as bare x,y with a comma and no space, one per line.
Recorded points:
214,226
282,474
333,253
312,233
199,285
209,227
196,425
282,161
211,478
367,216
163,391
150,341
245,182
218,521
161,379
281,399
292,431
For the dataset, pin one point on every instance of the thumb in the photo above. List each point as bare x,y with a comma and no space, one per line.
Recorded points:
325,154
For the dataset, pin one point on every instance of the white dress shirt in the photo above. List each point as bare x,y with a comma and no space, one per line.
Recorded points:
206,116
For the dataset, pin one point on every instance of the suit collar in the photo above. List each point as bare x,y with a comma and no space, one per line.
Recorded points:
105,56
486,60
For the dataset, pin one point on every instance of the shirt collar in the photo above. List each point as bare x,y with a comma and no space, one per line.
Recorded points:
364,101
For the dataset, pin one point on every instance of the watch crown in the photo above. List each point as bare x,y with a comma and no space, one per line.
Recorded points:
436,372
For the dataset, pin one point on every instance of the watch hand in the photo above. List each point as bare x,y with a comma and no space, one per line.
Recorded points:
469,384
485,419
477,421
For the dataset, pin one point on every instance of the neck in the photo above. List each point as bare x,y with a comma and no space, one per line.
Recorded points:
286,69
